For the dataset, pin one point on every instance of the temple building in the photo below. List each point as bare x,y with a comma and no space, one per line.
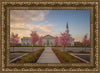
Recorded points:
47,40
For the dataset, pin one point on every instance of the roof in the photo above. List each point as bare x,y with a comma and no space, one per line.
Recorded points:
48,36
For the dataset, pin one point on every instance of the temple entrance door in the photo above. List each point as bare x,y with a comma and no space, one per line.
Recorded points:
47,42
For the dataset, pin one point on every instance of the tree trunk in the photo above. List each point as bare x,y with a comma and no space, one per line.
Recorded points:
32,48
85,48
82,48
63,48
13,48
56,46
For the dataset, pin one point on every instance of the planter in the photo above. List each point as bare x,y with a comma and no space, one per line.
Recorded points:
30,58
65,57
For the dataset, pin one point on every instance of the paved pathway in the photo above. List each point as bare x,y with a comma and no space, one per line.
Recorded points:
48,56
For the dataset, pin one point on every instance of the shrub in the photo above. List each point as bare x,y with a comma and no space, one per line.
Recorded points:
30,58
82,52
70,51
63,57
19,52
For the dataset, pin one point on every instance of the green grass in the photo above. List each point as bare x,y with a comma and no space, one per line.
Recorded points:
47,46
27,47
69,51
65,58
30,58
72,47
82,52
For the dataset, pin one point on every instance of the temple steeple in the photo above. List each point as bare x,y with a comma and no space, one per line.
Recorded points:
67,29
67,24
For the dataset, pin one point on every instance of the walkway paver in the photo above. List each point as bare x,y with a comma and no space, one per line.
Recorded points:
48,56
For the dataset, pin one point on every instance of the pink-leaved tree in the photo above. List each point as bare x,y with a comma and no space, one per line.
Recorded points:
34,38
64,40
14,40
40,41
86,42
56,41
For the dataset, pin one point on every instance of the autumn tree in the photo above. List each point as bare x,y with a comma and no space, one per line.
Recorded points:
34,38
86,42
14,40
56,41
40,41
64,40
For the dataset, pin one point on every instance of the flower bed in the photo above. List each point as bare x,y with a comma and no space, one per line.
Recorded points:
65,57
30,58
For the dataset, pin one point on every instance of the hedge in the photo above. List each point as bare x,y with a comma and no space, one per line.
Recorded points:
31,57
65,58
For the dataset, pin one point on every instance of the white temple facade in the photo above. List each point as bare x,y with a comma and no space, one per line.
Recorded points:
47,40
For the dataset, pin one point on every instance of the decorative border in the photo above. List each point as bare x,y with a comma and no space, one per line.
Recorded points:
7,6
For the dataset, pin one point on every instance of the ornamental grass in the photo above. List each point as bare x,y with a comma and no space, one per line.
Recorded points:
65,58
31,57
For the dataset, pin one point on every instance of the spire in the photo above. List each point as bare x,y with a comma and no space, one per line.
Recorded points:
67,24
67,29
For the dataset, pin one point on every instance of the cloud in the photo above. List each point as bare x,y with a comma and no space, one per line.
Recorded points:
20,22
24,16
14,28
26,29
47,29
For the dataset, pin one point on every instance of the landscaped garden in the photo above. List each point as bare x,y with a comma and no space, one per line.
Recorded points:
64,57
30,58
32,53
